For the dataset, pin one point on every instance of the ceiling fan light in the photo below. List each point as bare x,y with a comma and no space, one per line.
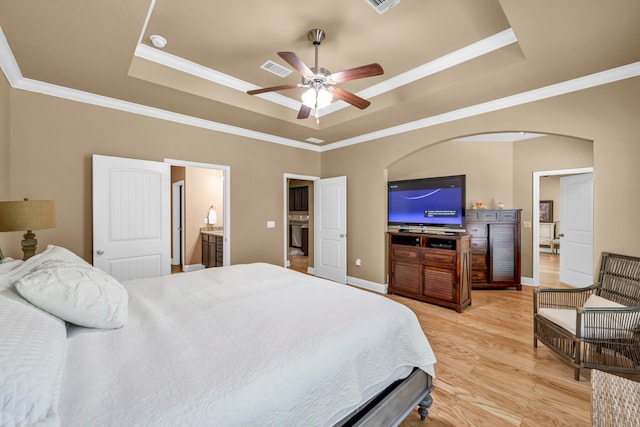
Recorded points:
309,98
321,97
324,98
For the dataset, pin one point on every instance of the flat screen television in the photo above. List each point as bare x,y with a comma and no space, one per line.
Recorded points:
428,204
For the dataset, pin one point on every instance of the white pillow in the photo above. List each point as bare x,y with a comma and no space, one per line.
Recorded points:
51,253
33,347
6,266
596,301
78,293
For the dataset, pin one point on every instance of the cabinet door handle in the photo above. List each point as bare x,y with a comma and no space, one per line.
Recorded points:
561,235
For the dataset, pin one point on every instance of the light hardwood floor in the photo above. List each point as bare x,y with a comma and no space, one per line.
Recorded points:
299,263
489,373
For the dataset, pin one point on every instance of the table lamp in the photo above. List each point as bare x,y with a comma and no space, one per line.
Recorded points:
27,215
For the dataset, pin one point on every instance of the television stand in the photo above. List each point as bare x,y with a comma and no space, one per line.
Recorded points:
434,268
442,233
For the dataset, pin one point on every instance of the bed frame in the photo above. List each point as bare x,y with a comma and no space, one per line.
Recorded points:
395,403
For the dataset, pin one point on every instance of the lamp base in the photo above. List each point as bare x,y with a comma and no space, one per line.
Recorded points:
29,245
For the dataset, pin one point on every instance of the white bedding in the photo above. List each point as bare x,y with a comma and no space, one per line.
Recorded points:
243,345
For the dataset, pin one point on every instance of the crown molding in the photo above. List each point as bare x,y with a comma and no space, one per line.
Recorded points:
12,72
580,83
8,62
183,65
467,53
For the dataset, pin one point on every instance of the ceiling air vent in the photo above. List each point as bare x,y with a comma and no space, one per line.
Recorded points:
381,6
276,69
315,140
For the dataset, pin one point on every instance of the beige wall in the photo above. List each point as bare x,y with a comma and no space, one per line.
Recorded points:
4,137
606,115
52,141
488,167
498,171
548,153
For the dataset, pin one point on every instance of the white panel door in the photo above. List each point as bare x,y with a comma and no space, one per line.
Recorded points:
576,230
330,231
131,217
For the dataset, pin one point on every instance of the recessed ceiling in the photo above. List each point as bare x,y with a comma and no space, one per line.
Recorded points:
440,57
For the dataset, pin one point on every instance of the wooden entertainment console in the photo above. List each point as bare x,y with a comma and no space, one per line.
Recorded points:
435,268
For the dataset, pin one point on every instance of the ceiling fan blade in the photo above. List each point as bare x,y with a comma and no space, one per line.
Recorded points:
357,73
272,88
304,111
295,61
351,98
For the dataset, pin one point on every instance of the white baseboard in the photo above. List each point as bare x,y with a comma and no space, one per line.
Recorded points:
360,283
192,267
527,281
365,284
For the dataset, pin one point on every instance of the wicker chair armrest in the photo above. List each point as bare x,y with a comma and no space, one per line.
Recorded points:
609,323
561,298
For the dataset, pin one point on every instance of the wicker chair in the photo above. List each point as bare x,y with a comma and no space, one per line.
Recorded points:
604,335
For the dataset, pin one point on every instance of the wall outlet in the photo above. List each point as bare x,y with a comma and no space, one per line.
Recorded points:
526,224
271,224
358,262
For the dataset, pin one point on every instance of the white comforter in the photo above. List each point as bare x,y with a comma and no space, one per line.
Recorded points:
243,345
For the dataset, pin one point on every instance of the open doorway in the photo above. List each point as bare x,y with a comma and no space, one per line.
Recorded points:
298,220
299,216
549,226
199,203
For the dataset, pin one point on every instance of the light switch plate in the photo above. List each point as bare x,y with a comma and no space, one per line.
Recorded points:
271,224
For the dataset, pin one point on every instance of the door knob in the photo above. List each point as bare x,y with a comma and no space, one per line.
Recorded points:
100,252
341,234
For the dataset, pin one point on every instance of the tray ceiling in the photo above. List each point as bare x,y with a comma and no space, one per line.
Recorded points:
439,56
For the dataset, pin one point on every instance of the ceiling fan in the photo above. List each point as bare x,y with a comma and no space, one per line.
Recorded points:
320,82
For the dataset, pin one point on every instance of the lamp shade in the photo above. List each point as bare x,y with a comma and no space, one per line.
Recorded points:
26,215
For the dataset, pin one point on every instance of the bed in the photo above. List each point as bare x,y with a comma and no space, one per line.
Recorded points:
251,344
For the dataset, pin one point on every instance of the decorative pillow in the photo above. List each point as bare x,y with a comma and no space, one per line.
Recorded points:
596,301
78,293
33,347
51,253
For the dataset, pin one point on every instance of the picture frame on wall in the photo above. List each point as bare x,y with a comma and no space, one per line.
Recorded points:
546,210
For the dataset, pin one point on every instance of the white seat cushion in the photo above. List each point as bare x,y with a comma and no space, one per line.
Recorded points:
565,318
596,301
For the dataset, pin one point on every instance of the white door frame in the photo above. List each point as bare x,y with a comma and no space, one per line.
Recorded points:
285,209
226,197
536,213
177,209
